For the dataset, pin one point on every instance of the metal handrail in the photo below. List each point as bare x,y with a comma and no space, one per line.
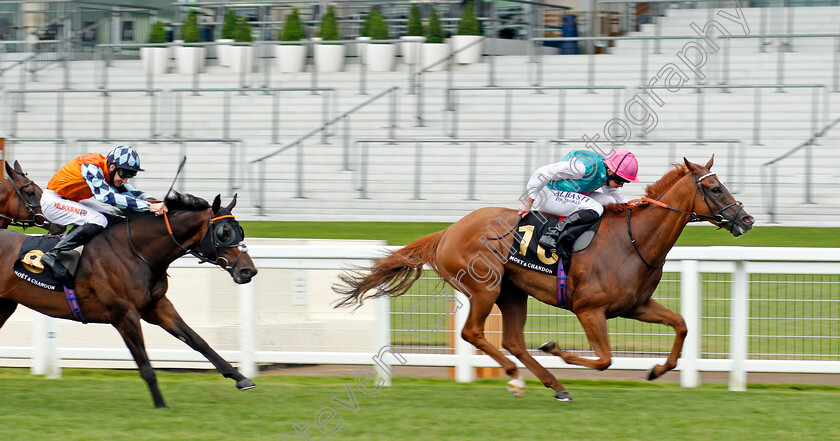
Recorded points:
769,180
299,142
735,149
275,108
450,101
416,78
183,151
17,106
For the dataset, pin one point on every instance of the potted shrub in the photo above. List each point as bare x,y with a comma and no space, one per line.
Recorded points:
414,36
191,59
364,35
156,58
434,49
469,32
380,56
291,57
228,31
329,57
242,55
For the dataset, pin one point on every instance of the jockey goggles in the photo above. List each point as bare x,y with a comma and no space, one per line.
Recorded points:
126,174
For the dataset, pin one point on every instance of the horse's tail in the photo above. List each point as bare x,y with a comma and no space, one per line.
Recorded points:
388,277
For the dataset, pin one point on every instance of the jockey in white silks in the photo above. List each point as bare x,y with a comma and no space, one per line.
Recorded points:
577,187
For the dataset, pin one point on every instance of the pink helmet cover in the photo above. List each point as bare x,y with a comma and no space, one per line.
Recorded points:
623,163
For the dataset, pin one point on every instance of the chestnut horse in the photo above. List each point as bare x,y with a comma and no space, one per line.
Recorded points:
121,276
20,202
614,277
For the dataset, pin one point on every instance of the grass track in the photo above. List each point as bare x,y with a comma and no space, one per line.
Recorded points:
401,233
94,405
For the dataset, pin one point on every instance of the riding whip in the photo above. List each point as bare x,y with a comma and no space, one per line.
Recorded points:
180,167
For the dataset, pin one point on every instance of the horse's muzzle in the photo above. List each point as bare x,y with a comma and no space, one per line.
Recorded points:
742,224
243,275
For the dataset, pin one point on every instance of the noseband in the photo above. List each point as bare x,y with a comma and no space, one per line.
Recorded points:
716,217
38,219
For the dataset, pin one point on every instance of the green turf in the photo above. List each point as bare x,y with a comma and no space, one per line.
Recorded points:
401,233
95,405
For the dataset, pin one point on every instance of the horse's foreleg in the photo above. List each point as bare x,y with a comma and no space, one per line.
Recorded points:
655,312
514,313
595,325
164,315
132,334
7,308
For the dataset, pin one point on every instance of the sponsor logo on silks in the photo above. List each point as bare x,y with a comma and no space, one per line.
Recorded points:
32,257
64,207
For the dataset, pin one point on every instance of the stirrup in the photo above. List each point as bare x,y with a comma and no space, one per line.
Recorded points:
548,243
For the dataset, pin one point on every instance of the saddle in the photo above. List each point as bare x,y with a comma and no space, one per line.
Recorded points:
527,253
64,271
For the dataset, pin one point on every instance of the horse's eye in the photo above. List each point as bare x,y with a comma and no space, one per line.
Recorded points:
716,190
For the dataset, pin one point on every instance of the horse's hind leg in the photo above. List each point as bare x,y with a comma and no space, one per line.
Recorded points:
7,308
473,332
655,312
132,334
514,309
594,323
164,315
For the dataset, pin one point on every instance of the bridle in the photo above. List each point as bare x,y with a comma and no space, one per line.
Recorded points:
212,244
38,219
716,217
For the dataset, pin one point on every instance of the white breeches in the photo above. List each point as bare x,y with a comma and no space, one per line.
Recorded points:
564,203
66,212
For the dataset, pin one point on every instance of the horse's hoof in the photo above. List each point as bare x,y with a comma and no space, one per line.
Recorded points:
651,374
563,395
245,384
516,386
548,346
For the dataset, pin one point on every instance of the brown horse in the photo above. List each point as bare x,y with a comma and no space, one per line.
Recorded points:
614,277
121,276
20,202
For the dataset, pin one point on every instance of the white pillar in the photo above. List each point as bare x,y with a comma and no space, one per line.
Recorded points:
53,365
463,350
738,344
248,329
690,310
383,337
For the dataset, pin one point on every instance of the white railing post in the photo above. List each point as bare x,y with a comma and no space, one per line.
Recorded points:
691,312
53,365
738,344
248,329
383,338
463,350
39,344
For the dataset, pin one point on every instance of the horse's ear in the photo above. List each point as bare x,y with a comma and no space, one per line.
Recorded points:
692,167
217,203
711,162
232,203
9,172
17,168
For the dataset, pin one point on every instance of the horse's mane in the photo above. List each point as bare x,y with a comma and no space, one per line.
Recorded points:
185,202
657,189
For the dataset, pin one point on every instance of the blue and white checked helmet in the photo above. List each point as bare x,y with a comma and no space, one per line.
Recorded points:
125,158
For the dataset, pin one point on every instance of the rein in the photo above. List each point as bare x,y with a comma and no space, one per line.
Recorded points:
716,217
199,255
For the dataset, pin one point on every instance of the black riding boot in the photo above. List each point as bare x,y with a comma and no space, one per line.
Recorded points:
77,237
549,240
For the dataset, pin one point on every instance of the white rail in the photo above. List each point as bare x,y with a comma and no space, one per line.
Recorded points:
285,316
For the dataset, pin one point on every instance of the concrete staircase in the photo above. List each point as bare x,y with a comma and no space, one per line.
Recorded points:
452,178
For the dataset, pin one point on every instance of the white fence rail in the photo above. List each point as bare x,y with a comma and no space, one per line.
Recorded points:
747,310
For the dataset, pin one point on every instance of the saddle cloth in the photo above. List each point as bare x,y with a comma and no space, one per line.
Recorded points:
32,249
527,253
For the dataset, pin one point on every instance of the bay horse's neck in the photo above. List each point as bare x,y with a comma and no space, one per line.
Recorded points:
157,246
658,229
